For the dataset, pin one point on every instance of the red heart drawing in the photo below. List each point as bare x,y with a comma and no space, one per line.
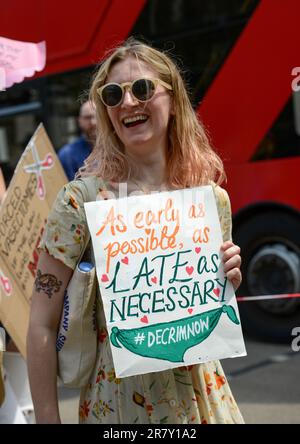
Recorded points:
154,279
190,310
217,292
147,230
125,260
144,319
189,270
198,249
104,278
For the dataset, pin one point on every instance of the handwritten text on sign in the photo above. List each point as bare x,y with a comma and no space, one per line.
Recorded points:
166,299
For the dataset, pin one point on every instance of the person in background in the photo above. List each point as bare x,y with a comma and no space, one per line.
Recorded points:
73,155
149,137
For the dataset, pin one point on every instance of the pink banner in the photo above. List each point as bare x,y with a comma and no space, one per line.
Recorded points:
19,60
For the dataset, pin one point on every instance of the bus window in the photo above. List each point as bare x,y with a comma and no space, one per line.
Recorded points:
53,101
283,139
200,33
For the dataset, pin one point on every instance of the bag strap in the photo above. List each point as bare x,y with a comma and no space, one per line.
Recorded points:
92,189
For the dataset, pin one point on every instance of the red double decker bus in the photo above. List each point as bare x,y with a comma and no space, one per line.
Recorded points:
238,58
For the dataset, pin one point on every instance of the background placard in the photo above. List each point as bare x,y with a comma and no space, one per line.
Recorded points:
33,188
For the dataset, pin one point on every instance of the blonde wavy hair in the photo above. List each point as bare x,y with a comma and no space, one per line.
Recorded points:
191,161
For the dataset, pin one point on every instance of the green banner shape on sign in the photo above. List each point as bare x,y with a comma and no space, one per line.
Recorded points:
170,340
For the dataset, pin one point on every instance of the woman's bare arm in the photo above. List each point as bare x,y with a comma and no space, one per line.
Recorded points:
46,307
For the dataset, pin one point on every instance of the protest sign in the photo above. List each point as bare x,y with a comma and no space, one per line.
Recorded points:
33,188
19,60
166,299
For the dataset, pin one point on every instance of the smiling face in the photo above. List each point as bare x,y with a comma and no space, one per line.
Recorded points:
142,127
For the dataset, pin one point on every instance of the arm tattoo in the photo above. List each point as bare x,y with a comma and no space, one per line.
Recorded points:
47,283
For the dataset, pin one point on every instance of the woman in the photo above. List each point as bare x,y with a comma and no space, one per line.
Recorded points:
148,136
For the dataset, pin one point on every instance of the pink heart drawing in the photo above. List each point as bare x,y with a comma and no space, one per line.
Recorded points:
189,270
198,249
144,319
125,260
104,278
217,292
154,280
190,310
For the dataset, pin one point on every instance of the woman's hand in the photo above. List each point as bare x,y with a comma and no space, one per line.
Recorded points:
232,263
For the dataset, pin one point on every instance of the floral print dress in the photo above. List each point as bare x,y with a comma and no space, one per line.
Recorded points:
185,395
